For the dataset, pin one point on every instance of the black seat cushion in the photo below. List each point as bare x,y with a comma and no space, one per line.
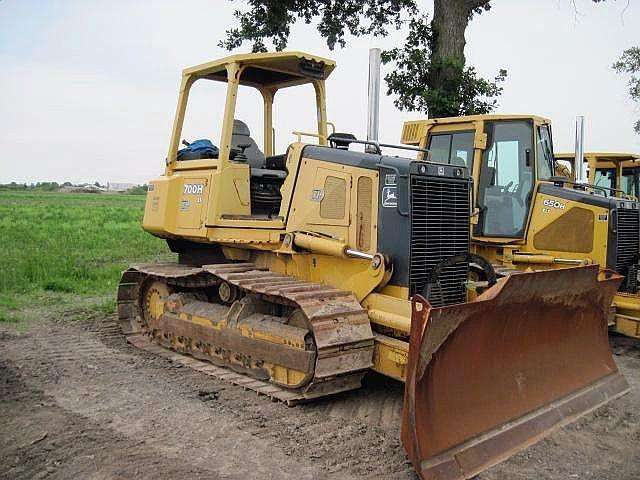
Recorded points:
277,162
268,173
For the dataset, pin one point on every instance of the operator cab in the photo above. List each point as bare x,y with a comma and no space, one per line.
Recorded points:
253,83
508,155
612,174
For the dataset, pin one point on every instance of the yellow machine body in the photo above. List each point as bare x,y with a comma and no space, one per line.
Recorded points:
563,226
616,174
209,200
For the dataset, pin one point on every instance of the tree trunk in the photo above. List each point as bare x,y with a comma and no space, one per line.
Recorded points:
450,20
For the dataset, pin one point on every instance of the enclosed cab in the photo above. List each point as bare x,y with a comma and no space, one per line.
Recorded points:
615,174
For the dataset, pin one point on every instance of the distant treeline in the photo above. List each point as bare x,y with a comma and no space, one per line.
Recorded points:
68,187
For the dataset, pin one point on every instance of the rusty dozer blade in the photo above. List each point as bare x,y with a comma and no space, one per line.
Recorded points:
490,377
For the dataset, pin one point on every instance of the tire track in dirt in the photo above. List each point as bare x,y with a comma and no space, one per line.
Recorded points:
42,440
186,420
92,372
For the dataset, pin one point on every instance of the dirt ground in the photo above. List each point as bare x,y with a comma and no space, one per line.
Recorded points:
77,402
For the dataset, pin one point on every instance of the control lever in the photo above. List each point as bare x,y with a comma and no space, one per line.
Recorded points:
238,155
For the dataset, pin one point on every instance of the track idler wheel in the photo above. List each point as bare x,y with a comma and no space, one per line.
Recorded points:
152,301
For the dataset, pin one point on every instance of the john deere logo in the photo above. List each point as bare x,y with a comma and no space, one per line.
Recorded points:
389,197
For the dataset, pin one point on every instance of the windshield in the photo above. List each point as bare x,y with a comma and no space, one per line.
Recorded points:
506,179
605,177
630,180
452,148
544,153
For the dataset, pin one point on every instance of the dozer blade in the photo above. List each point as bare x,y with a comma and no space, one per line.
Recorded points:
490,377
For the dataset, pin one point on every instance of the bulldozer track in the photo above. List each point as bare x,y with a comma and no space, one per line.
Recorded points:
339,324
263,388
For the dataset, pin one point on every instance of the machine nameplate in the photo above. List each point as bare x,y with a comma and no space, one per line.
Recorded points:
193,188
553,204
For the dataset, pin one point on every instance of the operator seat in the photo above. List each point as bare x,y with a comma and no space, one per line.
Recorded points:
241,135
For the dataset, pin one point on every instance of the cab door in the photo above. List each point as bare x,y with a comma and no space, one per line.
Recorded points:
506,179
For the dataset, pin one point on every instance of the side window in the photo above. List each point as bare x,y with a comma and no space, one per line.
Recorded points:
507,172
630,181
605,177
544,153
452,148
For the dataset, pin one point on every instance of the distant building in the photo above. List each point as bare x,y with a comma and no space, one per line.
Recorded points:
119,187
86,188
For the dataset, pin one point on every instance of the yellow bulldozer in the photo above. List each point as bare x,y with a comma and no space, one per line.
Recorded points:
302,270
531,210
616,174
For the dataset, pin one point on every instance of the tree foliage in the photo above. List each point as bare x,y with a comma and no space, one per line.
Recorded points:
629,64
271,20
429,74
412,79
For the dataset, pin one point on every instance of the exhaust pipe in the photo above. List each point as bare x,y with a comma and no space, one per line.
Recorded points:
581,174
373,110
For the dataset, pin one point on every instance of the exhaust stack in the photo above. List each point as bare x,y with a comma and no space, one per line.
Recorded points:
581,174
373,110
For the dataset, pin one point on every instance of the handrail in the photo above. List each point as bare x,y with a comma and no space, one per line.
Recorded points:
308,134
377,145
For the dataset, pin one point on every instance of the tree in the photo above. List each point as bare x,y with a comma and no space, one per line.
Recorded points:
629,64
430,73
443,86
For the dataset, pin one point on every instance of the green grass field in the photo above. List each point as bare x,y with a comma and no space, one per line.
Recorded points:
59,248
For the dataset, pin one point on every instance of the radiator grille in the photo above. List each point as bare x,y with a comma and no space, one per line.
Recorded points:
332,205
628,239
439,230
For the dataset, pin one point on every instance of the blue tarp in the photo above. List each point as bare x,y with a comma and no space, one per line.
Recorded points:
198,149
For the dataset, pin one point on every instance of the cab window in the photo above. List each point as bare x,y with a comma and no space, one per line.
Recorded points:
506,179
630,180
452,148
605,178
544,153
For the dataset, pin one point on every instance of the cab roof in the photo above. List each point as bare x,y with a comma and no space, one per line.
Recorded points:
413,131
605,156
273,69
475,118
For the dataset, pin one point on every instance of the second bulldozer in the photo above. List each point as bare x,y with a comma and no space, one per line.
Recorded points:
302,270
615,174
529,217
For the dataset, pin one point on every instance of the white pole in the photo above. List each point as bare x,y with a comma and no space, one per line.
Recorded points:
373,111
581,176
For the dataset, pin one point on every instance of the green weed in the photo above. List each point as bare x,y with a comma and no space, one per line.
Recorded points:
72,244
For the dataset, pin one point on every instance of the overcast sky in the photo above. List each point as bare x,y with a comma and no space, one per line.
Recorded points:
89,88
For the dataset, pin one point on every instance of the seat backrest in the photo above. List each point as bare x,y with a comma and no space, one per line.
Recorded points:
242,136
